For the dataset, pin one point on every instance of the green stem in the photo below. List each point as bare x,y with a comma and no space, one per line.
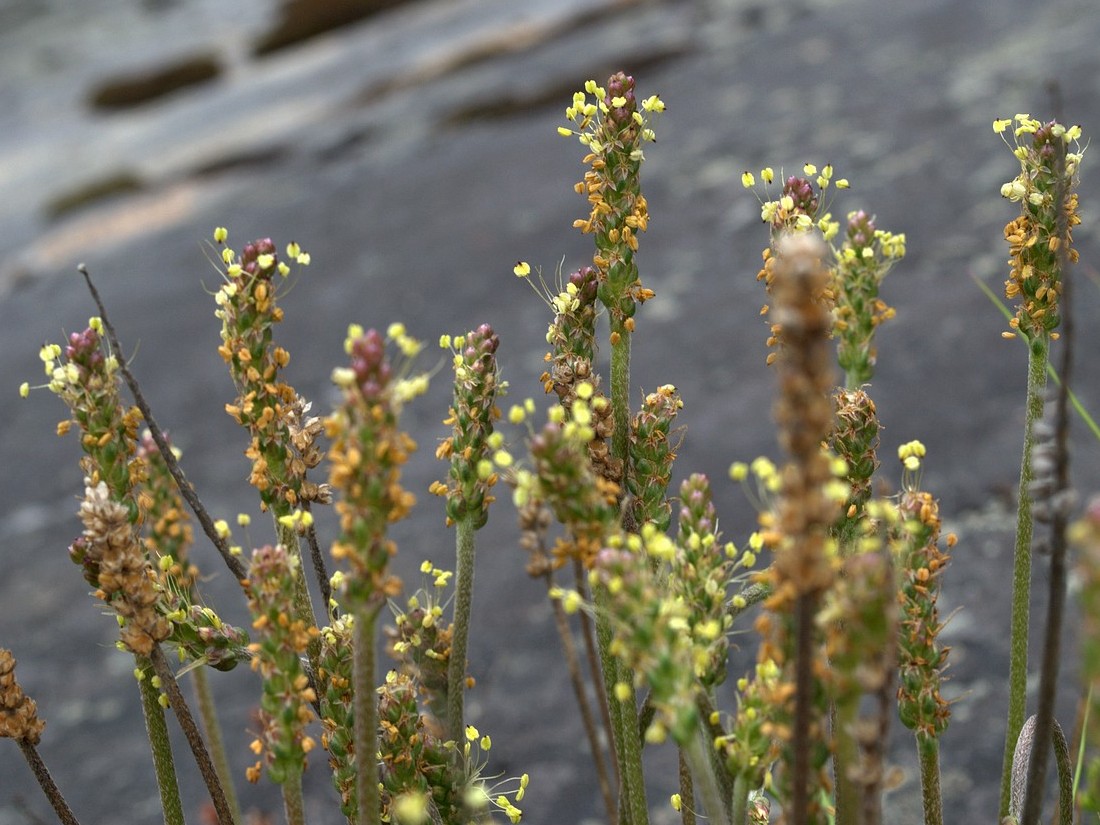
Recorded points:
622,731
620,390
465,549
740,800
631,753
292,799
628,747
366,718
303,602
698,759
1021,569
204,697
928,751
163,764
191,733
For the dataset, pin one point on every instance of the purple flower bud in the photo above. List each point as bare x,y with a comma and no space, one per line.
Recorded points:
861,229
802,192
84,351
586,281
368,361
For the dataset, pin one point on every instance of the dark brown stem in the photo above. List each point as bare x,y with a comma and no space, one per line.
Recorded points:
186,490
320,570
687,793
191,731
805,608
49,787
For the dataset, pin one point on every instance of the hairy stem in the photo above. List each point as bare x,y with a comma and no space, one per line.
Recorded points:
303,602
465,549
687,792
624,724
45,781
928,752
366,719
163,764
293,803
191,733
740,807
204,698
1021,568
1045,722
695,753
805,608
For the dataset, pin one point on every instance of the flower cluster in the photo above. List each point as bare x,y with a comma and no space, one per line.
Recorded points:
267,406
800,206
87,381
701,571
613,130
477,384
367,454
648,630
334,675
800,209
563,477
1041,238
653,447
854,438
124,577
287,695
751,744
865,256
18,712
921,660
572,339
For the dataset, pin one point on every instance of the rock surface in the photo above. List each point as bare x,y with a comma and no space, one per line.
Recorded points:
414,155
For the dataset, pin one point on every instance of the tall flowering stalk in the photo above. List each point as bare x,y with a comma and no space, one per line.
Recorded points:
1040,242
367,454
196,629
281,445
110,551
803,566
469,484
921,659
612,129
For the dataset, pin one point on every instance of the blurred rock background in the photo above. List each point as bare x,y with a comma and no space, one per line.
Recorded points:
411,148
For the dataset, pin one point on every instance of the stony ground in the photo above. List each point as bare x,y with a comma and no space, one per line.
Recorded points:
415,155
